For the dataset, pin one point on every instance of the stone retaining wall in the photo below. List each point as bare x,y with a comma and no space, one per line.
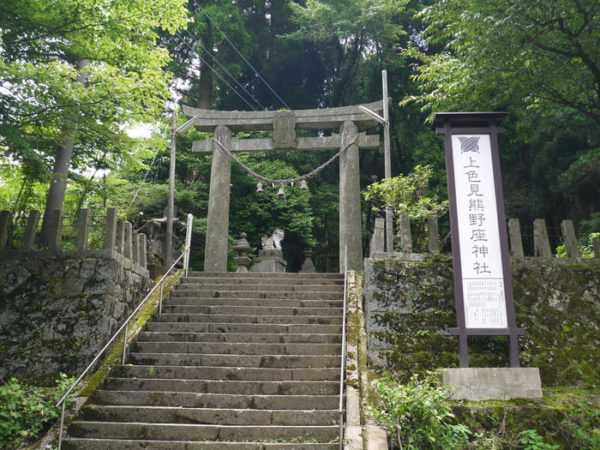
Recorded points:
409,306
58,308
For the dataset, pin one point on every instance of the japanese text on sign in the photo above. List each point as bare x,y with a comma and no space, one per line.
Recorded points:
479,238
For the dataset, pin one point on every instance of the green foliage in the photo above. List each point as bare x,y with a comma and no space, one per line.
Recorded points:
533,441
586,247
407,194
582,424
419,414
42,42
542,52
26,411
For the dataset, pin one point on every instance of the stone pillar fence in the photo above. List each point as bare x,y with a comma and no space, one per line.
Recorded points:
117,235
430,242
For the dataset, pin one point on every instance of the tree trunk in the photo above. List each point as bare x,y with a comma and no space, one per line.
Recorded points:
62,162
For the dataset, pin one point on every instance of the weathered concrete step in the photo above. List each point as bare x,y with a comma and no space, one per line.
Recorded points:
267,319
261,286
211,416
138,444
224,387
227,373
163,431
182,336
290,303
224,327
265,310
268,361
235,348
267,294
217,401
277,276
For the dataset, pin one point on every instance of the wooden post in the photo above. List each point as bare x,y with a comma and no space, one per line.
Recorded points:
568,233
142,250
405,234
31,230
433,243
110,229
389,217
171,201
541,242
596,244
516,241
5,222
120,241
135,248
83,229
128,251
378,238
55,229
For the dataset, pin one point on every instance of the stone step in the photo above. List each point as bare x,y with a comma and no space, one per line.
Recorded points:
227,373
235,348
266,310
209,416
239,337
195,432
260,286
288,276
263,319
224,387
140,444
269,361
218,401
224,327
271,294
290,303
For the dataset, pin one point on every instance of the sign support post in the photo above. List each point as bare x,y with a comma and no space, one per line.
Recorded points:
481,259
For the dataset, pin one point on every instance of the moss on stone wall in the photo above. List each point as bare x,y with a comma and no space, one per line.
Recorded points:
410,307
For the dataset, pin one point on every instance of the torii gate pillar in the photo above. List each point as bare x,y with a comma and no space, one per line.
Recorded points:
350,215
217,226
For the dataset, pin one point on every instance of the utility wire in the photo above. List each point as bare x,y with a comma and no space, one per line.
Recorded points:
242,56
215,72
224,69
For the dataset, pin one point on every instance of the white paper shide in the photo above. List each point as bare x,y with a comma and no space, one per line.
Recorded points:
479,237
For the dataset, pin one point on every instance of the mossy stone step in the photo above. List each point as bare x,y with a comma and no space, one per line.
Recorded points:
241,318
219,401
227,373
264,310
224,387
271,361
209,416
236,348
290,303
222,327
140,444
182,336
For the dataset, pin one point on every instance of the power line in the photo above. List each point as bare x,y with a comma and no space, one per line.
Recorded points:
225,69
242,56
215,72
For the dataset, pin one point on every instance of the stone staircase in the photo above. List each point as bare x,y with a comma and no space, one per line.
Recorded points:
235,361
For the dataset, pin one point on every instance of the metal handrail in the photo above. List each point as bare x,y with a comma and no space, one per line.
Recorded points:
343,362
184,253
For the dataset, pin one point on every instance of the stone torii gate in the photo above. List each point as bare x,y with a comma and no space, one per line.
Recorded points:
284,124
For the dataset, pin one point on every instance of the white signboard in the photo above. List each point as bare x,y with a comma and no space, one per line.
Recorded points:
479,236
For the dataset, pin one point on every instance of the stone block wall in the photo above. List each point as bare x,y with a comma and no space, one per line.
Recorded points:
58,308
409,307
